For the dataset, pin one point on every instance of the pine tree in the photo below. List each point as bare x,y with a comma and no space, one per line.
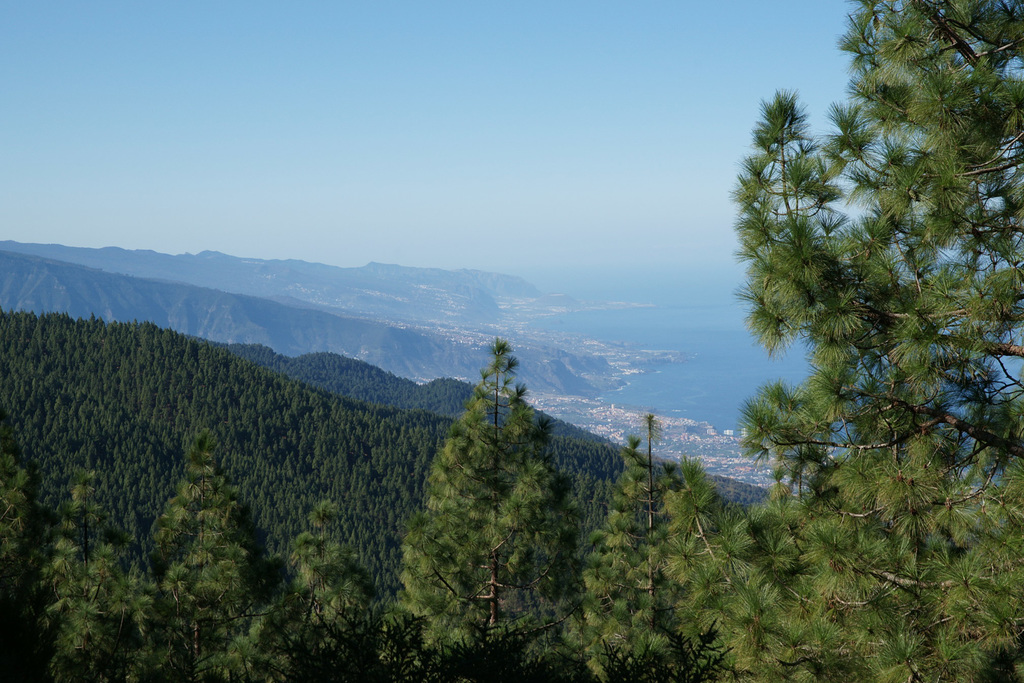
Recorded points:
498,534
212,576
321,629
628,602
734,573
646,616
892,249
329,579
99,613
23,529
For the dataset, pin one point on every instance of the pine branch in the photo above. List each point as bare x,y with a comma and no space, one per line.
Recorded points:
975,432
955,40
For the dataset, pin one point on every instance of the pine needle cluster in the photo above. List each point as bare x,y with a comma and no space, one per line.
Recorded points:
891,248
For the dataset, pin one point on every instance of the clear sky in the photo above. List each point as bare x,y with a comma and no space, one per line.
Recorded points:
502,136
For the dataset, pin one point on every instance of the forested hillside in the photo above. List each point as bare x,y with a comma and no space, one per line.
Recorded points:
357,379
288,324
202,457
360,380
124,399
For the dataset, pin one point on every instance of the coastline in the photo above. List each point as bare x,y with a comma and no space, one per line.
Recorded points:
720,453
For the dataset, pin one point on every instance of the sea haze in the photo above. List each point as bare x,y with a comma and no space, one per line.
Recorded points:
695,313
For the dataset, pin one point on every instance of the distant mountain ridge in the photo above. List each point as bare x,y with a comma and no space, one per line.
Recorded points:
42,284
377,290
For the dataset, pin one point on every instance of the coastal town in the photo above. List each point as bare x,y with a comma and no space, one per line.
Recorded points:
680,437
718,450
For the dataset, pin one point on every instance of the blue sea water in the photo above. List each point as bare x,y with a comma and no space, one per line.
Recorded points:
698,315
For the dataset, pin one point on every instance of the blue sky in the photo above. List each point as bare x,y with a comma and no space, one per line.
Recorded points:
499,136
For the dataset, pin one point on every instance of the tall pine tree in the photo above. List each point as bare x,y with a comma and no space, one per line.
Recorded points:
213,578
99,613
498,537
629,603
23,529
321,628
892,248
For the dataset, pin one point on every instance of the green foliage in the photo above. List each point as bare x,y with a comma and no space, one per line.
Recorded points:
738,492
328,577
101,405
732,567
213,606
98,613
23,652
499,531
891,248
212,576
628,600
679,660
359,380
356,379
320,629
117,398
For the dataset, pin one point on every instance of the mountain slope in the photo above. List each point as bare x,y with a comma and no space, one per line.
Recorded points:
356,379
360,380
123,399
377,290
43,285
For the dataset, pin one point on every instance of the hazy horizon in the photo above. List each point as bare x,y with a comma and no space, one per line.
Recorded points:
449,135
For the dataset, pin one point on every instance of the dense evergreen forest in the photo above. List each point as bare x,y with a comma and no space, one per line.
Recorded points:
360,380
123,400
137,439
357,379
890,548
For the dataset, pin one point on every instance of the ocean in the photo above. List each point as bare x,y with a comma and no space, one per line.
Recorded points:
695,314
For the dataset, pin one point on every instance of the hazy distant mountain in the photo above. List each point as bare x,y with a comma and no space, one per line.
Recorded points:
41,285
377,290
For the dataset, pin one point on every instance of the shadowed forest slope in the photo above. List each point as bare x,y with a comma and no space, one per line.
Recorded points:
124,399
